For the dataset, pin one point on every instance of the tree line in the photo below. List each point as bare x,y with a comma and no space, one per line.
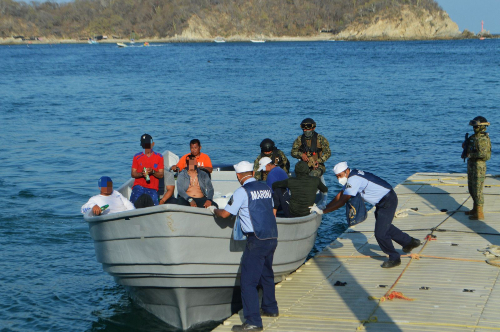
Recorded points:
167,18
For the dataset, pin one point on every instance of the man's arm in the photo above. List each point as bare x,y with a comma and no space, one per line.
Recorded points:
221,213
338,202
322,187
280,184
168,194
137,175
295,149
128,204
326,152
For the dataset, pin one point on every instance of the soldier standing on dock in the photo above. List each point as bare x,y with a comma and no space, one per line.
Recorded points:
312,148
477,149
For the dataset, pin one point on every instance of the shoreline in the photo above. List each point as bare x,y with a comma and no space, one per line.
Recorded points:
234,39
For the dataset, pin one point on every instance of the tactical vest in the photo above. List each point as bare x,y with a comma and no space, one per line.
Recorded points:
315,147
260,208
371,177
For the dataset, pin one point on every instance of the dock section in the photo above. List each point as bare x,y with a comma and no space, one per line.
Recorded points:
447,286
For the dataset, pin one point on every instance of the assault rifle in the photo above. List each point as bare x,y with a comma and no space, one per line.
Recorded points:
466,147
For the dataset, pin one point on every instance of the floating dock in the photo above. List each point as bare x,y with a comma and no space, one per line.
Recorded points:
447,286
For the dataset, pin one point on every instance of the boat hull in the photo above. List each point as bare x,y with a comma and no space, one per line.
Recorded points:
181,263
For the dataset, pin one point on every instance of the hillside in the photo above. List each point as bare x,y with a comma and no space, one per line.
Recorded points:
197,20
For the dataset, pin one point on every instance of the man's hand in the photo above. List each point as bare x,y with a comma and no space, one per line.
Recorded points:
192,203
316,165
174,168
305,158
96,210
161,202
207,203
316,209
145,172
211,208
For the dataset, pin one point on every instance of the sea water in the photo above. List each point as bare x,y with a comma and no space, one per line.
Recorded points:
72,113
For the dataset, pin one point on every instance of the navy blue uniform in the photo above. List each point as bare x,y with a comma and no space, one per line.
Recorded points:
378,192
253,205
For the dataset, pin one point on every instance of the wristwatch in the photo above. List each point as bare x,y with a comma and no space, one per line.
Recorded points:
190,200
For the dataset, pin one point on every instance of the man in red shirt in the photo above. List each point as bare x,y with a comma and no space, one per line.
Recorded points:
147,168
204,162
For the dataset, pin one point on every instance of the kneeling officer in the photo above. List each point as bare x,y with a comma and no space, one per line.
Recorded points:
379,193
253,206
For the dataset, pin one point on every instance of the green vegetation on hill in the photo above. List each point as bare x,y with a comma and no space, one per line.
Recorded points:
167,18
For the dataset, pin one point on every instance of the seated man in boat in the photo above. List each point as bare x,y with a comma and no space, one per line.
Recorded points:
147,169
168,196
203,160
253,205
273,173
303,188
194,187
379,193
108,201
268,149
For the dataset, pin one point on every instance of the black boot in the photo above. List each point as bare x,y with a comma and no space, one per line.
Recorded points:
412,245
247,327
388,264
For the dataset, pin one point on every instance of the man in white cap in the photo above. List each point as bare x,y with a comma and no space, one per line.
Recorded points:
253,205
379,193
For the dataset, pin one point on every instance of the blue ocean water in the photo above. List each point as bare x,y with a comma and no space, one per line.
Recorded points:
71,113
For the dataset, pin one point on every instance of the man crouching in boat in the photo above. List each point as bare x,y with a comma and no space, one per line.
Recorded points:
253,206
109,200
379,193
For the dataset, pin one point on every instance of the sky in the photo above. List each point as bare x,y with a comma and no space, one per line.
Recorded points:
468,14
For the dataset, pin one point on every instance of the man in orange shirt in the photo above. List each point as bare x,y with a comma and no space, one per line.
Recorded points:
203,160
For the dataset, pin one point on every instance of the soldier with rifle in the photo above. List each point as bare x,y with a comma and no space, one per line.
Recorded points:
477,148
312,148
278,158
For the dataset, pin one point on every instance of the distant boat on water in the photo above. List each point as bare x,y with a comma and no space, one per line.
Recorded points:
257,40
219,40
121,45
92,41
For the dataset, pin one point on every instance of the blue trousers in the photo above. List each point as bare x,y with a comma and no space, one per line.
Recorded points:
137,191
385,231
257,269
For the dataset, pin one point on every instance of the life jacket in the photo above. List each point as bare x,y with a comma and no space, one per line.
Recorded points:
355,210
315,148
260,208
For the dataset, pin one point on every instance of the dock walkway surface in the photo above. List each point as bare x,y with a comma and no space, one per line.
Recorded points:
450,284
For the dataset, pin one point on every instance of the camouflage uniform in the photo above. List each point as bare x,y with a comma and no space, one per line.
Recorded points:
322,156
478,152
280,160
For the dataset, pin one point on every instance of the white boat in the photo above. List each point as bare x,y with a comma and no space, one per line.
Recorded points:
219,40
121,45
257,41
92,41
182,264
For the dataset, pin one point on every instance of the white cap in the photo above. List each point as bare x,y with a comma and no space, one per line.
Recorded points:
243,166
340,167
263,163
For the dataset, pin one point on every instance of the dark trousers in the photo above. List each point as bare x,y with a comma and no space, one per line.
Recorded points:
257,269
199,201
385,231
281,199
138,191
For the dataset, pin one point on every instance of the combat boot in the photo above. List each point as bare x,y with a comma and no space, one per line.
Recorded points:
471,212
479,214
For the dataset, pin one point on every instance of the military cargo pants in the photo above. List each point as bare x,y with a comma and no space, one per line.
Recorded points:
476,172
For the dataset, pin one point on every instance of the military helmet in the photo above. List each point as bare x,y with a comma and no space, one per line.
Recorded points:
267,145
308,123
479,121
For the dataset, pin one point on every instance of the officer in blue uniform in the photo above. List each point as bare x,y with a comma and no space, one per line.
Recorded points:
253,205
379,193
